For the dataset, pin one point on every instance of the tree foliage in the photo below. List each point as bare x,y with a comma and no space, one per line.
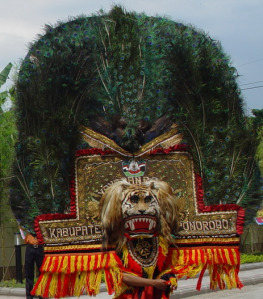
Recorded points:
7,137
253,199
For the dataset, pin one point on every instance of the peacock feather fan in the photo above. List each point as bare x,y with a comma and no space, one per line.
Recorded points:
130,77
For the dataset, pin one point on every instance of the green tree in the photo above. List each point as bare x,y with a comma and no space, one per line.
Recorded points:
253,199
7,137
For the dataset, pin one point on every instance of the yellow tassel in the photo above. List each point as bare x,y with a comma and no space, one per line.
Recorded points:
125,254
85,263
104,260
233,274
46,263
194,270
72,263
62,277
227,280
92,262
227,256
200,252
98,282
53,284
113,262
216,260
209,255
221,254
80,283
186,257
193,256
99,261
65,264
60,259
79,263
123,287
235,256
181,257
213,283
175,257
149,271
173,281
91,278
164,246
117,279
41,287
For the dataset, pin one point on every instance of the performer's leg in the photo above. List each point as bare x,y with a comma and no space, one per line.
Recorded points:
39,256
29,270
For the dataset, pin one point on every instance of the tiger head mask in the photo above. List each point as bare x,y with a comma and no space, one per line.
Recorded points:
138,210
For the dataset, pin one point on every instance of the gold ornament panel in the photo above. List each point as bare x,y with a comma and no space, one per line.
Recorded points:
94,173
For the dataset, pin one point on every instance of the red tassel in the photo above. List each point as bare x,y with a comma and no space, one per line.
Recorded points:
224,256
72,281
109,281
239,283
46,291
199,283
220,281
231,257
88,284
96,262
185,256
107,265
55,262
219,256
65,286
82,264
44,261
202,256
68,262
167,262
161,259
191,262
37,284
59,288
136,268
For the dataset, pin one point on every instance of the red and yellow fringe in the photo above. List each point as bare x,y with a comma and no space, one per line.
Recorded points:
73,275
67,275
222,264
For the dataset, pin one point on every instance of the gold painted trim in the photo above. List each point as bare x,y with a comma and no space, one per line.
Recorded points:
71,247
89,134
207,240
167,139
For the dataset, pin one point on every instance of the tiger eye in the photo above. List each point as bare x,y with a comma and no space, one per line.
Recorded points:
134,198
148,198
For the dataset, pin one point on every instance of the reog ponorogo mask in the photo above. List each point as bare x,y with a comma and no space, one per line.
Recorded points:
125,155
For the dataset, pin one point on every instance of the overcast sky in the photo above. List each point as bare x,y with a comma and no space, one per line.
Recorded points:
237,24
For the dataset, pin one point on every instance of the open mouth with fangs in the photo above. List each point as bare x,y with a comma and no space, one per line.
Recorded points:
140,224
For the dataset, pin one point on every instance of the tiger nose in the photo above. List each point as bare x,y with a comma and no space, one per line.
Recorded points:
141,211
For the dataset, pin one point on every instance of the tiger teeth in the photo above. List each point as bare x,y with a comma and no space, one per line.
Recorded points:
130,223
151,224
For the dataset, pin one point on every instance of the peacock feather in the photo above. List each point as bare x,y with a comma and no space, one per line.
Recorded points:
130,77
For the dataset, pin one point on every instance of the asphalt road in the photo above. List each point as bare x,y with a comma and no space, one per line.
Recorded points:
250,291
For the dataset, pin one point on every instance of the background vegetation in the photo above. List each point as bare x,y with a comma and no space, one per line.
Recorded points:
8,135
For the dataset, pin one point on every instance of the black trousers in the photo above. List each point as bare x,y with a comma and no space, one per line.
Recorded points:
34,255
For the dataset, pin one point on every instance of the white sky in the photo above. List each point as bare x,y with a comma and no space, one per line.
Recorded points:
237,24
